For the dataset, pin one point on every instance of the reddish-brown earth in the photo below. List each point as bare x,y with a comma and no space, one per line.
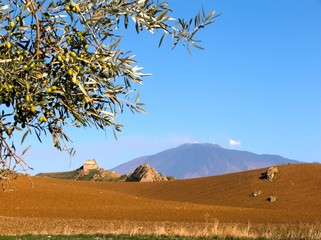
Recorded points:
53,206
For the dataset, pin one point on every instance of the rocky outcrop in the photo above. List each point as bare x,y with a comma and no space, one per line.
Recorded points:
145,173
103,175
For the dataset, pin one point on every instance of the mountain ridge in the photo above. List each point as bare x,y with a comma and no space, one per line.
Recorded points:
192,160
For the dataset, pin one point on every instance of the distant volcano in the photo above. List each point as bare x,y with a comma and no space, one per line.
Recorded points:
201,160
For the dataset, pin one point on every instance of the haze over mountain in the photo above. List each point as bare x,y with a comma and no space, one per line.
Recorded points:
201,160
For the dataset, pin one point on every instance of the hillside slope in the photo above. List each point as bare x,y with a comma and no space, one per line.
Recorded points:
296,187
51,205
201,160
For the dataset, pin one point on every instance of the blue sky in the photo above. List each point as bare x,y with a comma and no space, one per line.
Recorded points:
256,87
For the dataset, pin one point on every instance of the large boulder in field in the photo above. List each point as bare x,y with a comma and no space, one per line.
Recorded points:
270,174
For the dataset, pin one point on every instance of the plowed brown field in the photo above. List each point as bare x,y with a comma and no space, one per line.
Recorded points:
55,206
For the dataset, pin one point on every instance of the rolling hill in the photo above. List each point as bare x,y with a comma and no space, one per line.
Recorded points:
210,205
201,160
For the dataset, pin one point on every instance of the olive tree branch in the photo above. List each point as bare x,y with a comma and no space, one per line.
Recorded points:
38,40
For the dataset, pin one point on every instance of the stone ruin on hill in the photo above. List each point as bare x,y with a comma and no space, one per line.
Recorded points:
86,167
91,171
145,173
90,165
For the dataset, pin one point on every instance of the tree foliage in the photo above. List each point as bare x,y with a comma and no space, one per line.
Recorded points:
61,64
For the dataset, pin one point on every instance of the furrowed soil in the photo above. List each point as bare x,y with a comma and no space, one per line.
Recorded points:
219,205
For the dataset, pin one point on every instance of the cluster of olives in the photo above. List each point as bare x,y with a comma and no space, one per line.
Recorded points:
77,41
66,66
24,112
5,50
73,7
5,94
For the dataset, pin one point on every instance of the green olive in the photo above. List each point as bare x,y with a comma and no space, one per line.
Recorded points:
48,90
32,109
70,72
74,9
9,131
43,119
73,54
72,4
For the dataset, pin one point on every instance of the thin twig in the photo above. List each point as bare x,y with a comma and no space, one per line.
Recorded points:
38,40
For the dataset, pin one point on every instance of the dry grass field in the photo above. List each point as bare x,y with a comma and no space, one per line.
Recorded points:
220,205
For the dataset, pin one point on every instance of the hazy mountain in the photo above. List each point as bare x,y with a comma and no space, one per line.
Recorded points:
200,160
